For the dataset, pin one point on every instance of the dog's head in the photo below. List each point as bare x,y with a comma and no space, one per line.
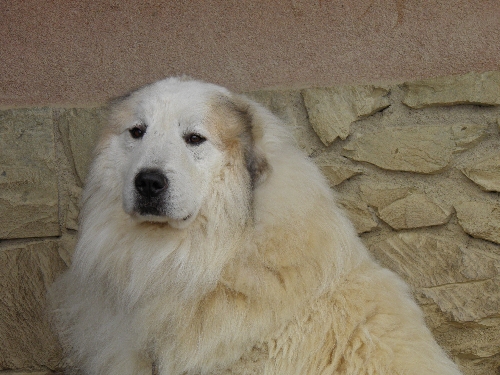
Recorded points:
173,142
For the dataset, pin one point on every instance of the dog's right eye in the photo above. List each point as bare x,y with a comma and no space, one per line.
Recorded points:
194,139
137,132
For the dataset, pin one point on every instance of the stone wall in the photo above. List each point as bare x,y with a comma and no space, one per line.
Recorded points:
416,166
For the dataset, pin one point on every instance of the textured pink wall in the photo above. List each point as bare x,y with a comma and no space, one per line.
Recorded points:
83,52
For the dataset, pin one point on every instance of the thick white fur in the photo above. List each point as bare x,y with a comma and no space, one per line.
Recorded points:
267,276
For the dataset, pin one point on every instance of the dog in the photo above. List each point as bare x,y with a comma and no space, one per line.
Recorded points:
209,244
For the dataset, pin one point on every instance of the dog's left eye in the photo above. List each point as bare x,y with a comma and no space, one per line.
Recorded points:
194,139
137,131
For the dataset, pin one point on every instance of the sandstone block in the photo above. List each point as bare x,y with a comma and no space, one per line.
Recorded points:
468,302
477,341
461,278
480,219
381,196
485,173
414,211
28,174
289,106
337,174
359,214
26,273
471,365
332,110
475,346
471,88
81,128
423,149
336,168
404,208
422,260
73,208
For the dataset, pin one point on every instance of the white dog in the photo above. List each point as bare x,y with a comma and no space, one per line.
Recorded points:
210,245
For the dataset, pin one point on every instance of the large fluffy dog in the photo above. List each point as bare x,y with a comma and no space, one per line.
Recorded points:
210,245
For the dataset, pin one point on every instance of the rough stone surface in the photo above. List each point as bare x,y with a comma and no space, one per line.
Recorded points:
73,207
481,340
469,301
381,196
422,260
461,278
405,208
27,271
480,219
414,211
28,174
332,110
422,149
472,365
476,348
472,88
485,173
337,174
359,214
81,128
289,106
335,167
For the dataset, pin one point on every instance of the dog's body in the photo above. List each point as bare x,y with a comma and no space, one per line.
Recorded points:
210,245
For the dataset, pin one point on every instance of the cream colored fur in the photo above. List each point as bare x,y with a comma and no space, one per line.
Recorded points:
266,277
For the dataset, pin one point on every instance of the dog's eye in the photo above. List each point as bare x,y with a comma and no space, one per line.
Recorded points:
194,139
137,131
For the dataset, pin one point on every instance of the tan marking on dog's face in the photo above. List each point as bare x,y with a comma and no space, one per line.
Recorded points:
228,124
230,120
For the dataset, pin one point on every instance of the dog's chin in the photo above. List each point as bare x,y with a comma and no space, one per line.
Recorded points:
177,223
181,223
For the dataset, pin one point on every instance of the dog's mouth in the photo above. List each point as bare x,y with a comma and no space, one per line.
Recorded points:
156,211
154,215
150,211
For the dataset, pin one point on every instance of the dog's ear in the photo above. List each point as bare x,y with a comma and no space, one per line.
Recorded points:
251,136
257,166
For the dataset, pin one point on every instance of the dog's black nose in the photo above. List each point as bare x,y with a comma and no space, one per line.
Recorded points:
150,183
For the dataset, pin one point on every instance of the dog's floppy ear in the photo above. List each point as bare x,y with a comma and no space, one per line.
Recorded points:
251,137
257,166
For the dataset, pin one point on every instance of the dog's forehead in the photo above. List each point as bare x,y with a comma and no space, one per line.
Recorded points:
178,98
174,103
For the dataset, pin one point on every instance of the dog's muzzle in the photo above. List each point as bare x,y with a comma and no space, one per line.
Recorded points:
150,184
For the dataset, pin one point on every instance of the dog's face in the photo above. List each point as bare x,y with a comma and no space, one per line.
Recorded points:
172,142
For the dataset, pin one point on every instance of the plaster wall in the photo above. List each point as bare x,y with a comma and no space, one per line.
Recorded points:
84,52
